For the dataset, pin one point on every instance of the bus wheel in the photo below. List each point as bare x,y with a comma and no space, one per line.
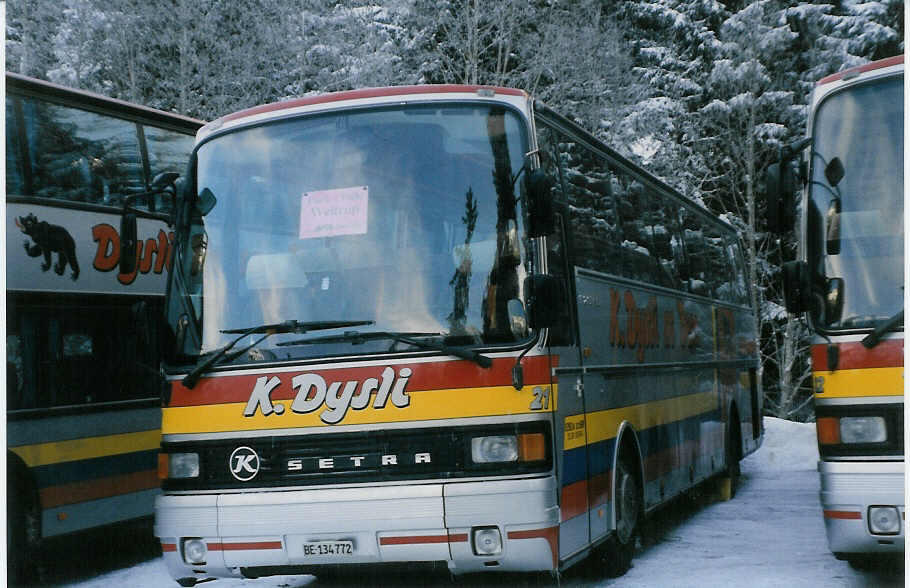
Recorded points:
620,547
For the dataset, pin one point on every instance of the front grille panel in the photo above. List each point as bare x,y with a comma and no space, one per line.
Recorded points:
371,456
893,414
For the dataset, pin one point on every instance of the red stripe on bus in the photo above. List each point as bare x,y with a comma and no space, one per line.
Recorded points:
852,355
369,93
897,60
168,547
425,376
249,546
574,500
600,489
843,514
420,539
54,496
551,534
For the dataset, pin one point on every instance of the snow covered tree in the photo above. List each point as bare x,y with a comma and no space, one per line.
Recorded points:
28,27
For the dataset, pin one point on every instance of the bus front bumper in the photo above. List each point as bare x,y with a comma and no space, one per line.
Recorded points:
506,525
853,496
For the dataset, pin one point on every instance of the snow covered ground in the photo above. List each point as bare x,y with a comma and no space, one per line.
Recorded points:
770,534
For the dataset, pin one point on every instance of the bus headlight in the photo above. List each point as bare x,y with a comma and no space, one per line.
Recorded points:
194,551
884,520
486,540
181,465
863,429
867,429
506,448
494,449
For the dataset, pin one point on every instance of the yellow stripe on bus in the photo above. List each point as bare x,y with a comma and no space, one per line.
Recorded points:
424,405
88,448
860,383
604,424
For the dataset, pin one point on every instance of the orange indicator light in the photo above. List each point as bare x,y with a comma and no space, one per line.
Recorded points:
828,430
531,447
162,466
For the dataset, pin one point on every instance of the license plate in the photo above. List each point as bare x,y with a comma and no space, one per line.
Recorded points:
328,548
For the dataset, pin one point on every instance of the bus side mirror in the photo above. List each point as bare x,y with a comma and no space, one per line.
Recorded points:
541,219
205,202
128,236
797,286
780,186
544,295
780,183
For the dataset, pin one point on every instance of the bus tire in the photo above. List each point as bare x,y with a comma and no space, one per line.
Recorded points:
732,452
618,550
23,528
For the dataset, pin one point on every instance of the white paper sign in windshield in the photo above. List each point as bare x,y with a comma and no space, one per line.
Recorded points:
328,213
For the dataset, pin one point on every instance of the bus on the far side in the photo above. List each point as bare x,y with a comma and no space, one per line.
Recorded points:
849,281
82,339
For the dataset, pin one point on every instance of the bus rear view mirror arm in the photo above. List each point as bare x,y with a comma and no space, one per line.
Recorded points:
163,183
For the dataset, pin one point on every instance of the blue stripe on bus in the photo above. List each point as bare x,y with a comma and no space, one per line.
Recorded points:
653,440
89,469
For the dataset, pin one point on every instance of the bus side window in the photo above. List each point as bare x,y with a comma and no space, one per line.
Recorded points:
735,254
694,243
668,244
15,371
637,213
15,172
21,356
77,366
558,258
591,210
718,264
81,156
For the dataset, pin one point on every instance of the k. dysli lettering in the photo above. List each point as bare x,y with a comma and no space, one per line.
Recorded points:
335,398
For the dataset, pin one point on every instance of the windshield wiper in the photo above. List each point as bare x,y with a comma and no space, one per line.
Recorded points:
356,337
875,337
266,330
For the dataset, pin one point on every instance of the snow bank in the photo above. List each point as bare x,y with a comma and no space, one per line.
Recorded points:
787,446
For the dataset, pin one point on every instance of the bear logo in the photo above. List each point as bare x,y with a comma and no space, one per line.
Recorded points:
49,239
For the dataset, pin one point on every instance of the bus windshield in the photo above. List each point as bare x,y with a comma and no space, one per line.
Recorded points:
408,217
862,127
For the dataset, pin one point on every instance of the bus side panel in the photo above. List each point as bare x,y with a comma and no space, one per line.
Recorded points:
635,354
90,470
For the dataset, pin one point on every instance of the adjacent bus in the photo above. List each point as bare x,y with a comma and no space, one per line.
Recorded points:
440,325
83,414
850,283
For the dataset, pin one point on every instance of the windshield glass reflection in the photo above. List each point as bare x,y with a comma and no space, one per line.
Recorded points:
863,128
408,217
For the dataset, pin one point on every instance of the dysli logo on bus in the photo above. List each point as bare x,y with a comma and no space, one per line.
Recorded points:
244,464
335,398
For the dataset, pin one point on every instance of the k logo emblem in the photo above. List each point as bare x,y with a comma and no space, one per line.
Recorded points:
244,464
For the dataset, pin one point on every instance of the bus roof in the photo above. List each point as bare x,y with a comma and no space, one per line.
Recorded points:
854,71
367,93
24,84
